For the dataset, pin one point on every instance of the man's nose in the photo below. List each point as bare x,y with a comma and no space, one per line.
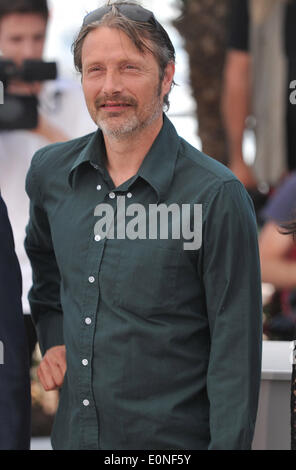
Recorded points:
112,82
28,50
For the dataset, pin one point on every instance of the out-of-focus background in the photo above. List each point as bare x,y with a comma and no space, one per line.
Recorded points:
235,66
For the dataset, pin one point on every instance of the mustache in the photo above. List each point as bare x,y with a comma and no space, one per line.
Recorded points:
118,99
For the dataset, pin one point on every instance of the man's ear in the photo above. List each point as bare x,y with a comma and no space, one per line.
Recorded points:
168,78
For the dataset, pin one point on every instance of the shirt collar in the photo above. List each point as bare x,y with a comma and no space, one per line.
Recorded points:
94,153
157,168
159,164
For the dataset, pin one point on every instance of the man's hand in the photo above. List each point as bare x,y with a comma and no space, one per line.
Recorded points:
52,368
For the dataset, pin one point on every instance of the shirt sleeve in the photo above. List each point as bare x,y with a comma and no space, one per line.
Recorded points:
281,207
239,26
15,399
232,282
44,296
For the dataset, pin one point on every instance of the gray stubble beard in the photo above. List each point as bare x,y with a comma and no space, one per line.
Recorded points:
133,126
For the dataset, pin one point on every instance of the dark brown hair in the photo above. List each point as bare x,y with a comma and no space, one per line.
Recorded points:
145,36
289,228
8,7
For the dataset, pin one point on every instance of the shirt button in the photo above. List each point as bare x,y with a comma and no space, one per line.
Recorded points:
91,279
98,238
85,362
112,196
99,187
85,402
129,195
88,321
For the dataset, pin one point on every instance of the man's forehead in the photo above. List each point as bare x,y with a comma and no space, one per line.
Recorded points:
110,40
24,16
22,20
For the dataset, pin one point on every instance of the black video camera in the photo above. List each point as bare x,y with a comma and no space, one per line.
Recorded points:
21,111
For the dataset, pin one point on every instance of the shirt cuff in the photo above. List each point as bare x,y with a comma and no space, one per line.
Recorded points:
50,331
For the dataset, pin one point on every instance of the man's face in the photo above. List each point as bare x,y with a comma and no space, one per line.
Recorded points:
121,85
22,36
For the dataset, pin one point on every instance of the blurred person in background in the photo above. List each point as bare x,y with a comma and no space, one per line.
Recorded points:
278,261
288,228
204,26
259,67
62,115
15,403
154,346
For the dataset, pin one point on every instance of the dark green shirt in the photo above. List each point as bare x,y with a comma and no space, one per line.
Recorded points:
163,344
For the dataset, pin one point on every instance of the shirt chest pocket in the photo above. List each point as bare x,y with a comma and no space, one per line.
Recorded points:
146,278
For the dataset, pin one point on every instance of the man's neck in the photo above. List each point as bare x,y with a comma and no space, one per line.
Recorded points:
126,155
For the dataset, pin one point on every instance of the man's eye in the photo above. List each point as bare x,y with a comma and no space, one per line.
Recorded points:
16,39
130,67
94,69
39,37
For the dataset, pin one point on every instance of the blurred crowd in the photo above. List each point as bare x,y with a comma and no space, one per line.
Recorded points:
244,80
258,82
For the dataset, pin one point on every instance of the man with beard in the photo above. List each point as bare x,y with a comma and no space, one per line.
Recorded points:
155,346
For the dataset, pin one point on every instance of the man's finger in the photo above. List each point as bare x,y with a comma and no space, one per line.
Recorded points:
63,367
53,367
45,378
58,356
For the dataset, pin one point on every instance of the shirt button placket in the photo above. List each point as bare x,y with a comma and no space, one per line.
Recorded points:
89,417
85,362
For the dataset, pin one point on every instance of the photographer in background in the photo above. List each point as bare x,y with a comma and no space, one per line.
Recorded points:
62,115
